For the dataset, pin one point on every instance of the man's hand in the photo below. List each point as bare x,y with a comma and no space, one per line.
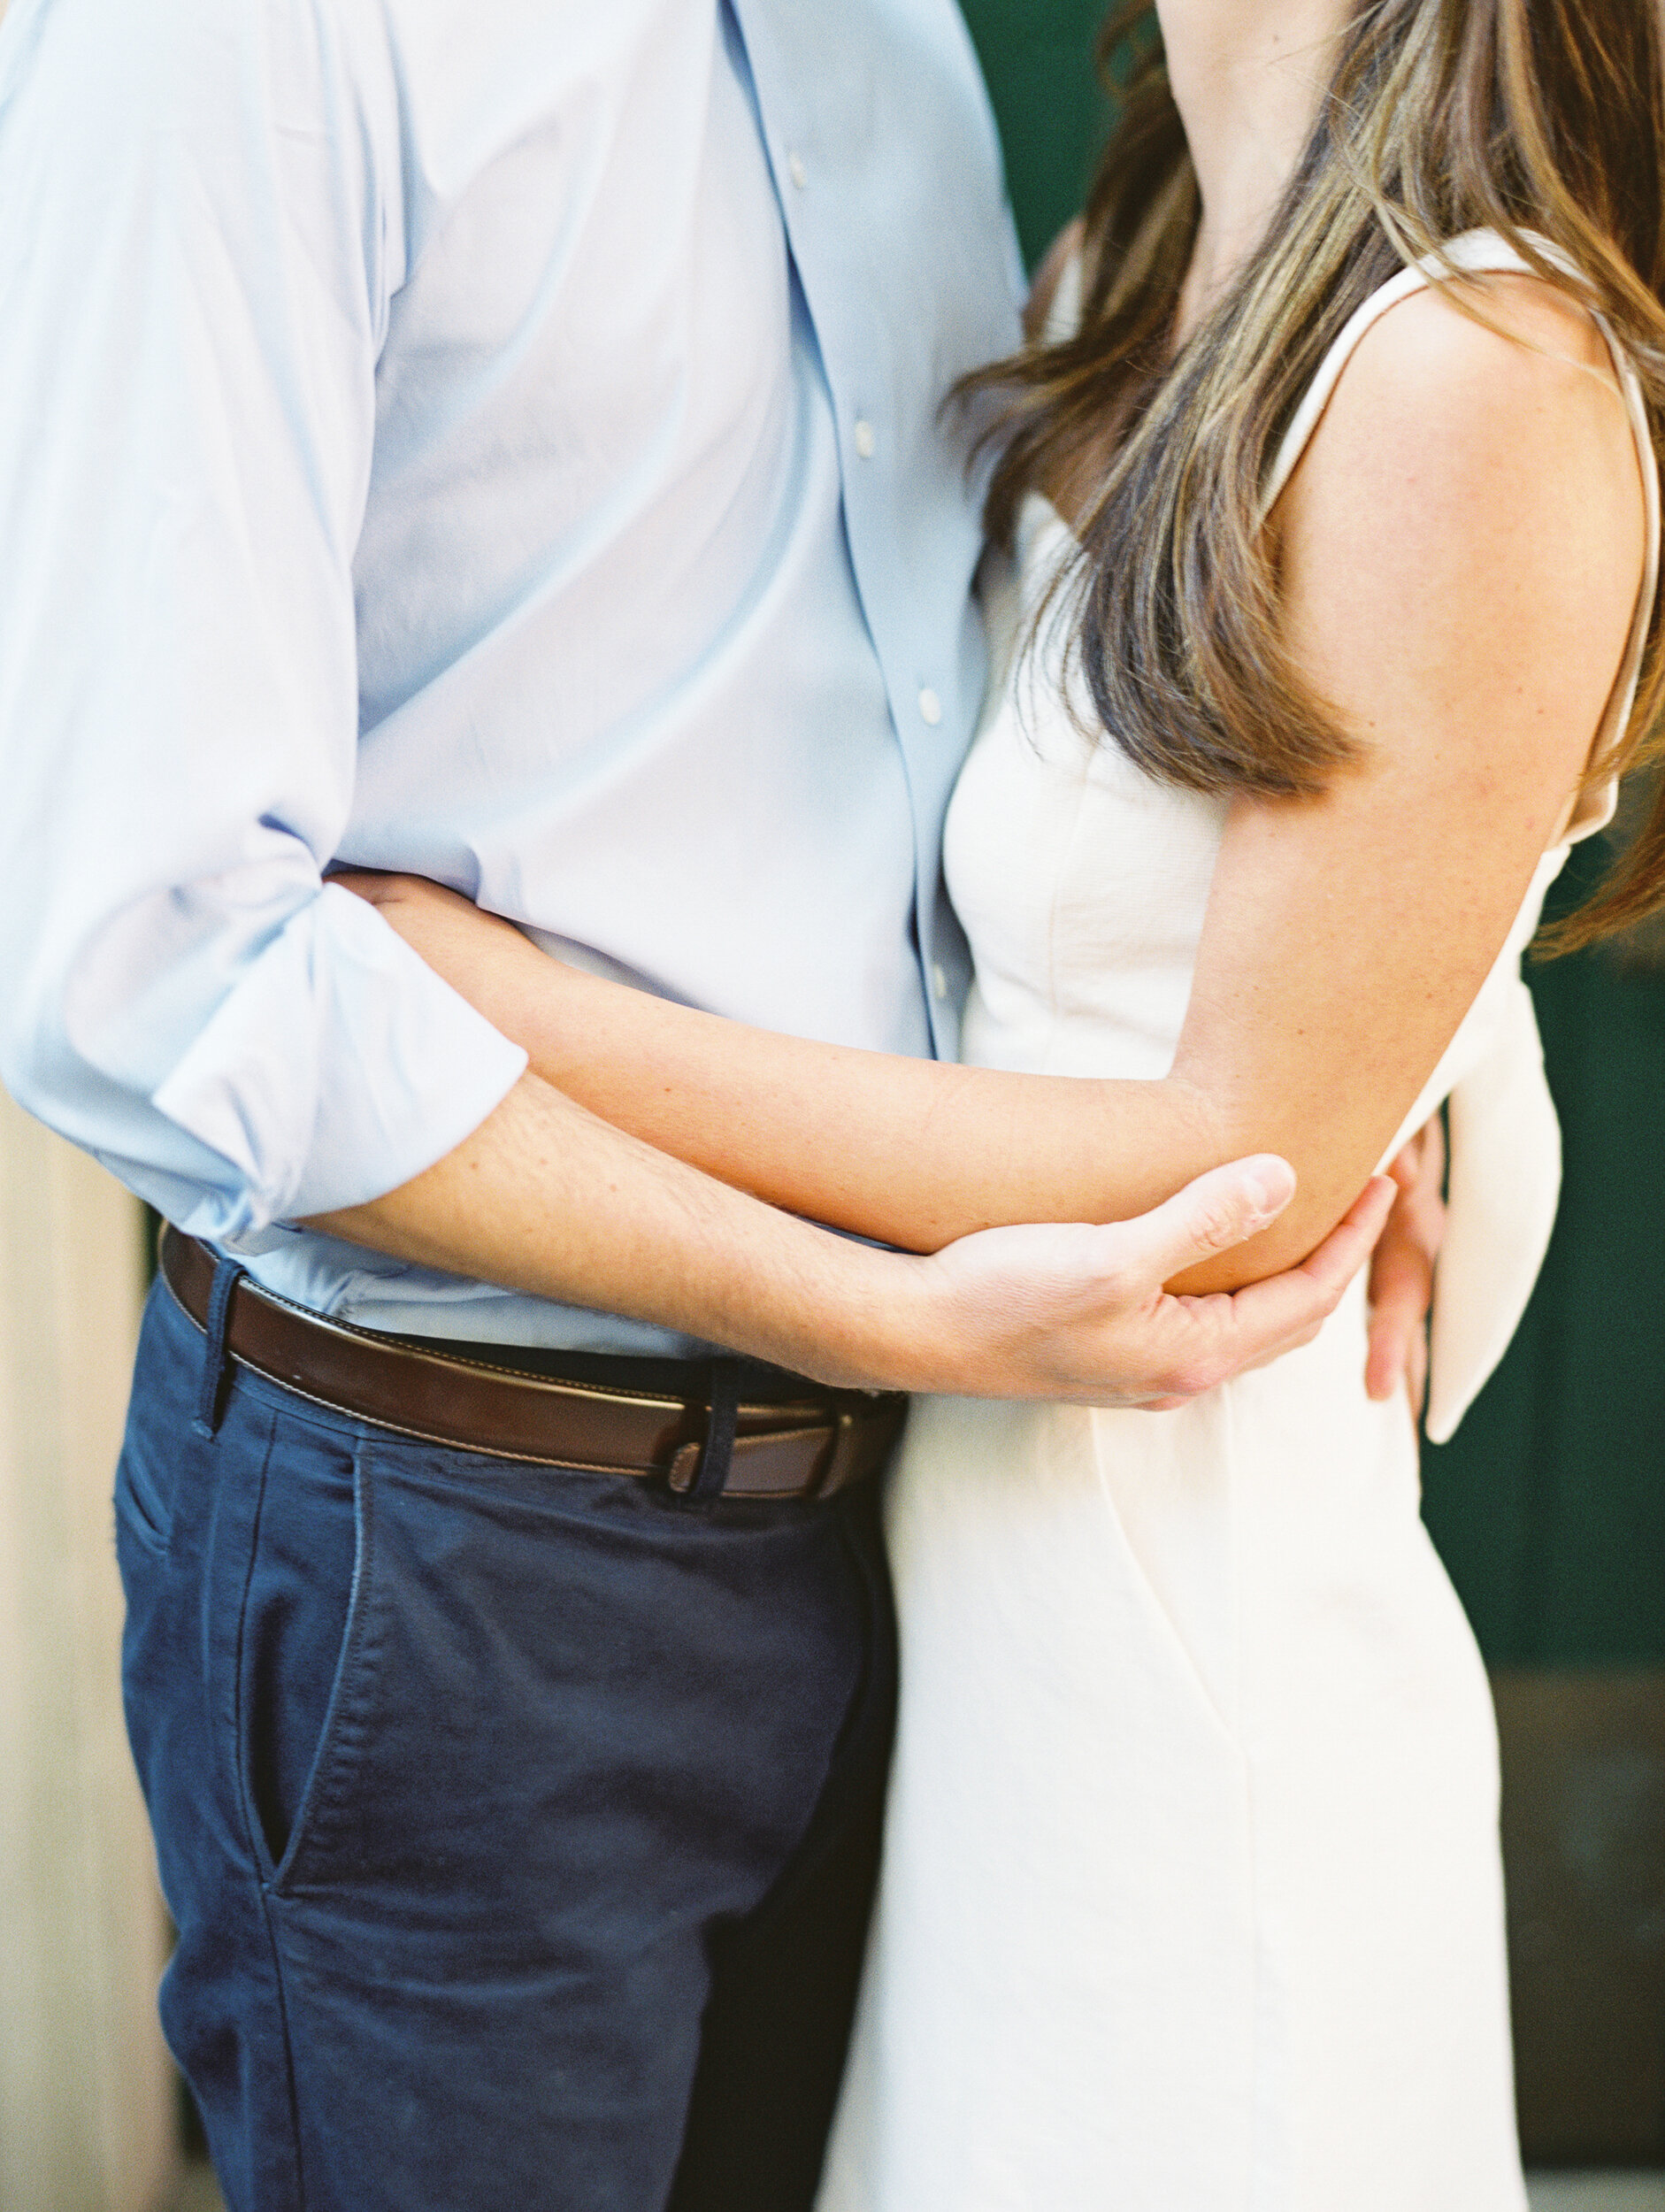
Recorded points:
1080,1313
1403,1271
544,1198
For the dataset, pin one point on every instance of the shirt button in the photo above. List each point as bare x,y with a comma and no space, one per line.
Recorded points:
940,981
796,171
866,443
930,707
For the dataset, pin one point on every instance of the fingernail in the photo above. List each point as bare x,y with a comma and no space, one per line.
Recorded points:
1271,1186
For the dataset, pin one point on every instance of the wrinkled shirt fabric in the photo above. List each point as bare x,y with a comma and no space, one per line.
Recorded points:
506,444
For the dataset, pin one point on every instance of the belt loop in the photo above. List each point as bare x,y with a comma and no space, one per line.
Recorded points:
713,1472
210,1399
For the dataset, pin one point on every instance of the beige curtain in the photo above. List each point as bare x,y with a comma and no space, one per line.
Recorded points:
87,2114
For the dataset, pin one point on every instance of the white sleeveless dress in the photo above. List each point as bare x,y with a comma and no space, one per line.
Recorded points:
1191,1899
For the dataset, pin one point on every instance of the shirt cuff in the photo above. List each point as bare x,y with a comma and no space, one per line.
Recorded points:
338,1067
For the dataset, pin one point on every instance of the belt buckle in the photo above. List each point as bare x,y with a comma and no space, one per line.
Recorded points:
835,1468
685,1464
832,1469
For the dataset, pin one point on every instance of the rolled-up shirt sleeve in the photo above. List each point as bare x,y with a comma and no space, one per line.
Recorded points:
200,233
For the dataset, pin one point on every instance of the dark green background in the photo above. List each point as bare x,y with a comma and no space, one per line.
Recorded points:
1549,1505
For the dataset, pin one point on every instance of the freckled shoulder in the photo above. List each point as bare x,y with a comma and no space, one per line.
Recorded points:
1467,531
1499,372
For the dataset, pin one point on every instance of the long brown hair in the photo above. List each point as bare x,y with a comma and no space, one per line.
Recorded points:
1539,119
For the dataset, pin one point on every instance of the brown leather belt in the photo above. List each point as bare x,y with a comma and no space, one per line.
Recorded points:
807,1448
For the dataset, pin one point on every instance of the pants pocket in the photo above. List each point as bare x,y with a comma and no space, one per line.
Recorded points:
144,1501
162,1461
305,1574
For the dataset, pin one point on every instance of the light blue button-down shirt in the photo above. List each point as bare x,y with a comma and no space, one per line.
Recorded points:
503,443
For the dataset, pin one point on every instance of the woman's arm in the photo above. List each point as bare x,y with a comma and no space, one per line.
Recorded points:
1461,548
912,1152
1461,552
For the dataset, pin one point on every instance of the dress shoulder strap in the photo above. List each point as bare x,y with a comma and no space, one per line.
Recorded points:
1483,252
1064,316
1476,253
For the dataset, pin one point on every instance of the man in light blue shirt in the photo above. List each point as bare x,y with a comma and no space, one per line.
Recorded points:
484,443
503,443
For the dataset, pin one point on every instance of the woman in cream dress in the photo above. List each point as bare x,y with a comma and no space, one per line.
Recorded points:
1192,1897
1331,628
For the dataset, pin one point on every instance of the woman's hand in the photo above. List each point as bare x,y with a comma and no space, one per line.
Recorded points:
1402,1270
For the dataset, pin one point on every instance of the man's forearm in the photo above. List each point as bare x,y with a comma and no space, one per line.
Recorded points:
547,1199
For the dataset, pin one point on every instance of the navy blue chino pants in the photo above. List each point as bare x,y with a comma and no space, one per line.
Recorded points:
520,1823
